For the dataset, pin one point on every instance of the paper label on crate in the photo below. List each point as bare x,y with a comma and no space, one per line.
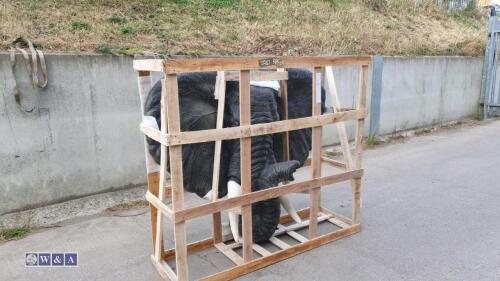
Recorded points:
318,87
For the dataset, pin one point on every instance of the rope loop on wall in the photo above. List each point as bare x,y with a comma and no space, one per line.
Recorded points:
20,44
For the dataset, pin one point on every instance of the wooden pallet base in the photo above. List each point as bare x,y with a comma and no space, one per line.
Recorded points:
227,248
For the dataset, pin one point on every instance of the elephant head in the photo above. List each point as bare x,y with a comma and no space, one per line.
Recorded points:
198,110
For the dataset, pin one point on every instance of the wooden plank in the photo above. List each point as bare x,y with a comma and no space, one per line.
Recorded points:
315,193
163,172
148,65
261,250
338,216
220,93
296,226
359,144
245,164
279,243
273,192
236,63
258,75
344,140
191,248
165,271
173,119
282,255
159,205
154,189
333,162
229,253
245,131
338,223
284,114
303,213
152,168
297,236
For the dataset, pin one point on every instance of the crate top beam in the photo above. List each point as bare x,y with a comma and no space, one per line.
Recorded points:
171,66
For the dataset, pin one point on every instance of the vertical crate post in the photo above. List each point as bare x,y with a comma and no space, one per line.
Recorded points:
246,158
315,193
359,143
220,95
144,83
170,97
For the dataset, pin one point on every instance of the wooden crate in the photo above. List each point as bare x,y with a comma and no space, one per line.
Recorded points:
246,69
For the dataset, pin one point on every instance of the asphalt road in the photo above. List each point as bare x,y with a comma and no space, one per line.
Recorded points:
431,211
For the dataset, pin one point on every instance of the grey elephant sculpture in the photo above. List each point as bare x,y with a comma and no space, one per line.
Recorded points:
198,111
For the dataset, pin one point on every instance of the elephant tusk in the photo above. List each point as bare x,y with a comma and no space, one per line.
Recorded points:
208,196
233,190
285,201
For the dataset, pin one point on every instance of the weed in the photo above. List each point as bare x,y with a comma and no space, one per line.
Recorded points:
130,51
331,153
372,140
104,49
14,233
125,29
78,25
117,20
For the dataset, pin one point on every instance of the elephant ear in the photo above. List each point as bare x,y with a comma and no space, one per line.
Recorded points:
299,86
198,111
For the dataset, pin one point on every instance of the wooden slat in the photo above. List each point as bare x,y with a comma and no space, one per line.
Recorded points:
144,85
165,271
159,205
303,213
282,229
163,173
245,164
333,162
175,153
281,255
284,114
148,65
246,131
221,95
236,63
154,189
279,243
273,192
191,248
344,140
297,236
229,253
258,75
261,250
359,144
338,216
315,193
338,223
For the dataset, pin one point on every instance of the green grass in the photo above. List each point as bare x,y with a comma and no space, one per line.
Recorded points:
372,140
79,25
13,233
330,153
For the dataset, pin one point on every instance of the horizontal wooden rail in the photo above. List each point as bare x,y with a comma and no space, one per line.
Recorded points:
258,75
170,66
245,199
190,137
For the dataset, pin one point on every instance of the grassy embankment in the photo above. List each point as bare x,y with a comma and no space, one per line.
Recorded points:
199,27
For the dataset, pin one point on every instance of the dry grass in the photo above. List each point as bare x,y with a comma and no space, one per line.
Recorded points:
389,27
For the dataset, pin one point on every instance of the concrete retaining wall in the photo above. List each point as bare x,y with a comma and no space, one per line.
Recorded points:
83,137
